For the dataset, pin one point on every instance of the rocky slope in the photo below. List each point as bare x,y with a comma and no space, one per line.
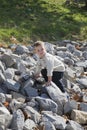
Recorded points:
29,105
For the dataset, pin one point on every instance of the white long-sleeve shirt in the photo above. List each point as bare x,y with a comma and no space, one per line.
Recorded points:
51,63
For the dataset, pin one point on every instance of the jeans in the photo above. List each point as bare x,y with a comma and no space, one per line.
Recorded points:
56,78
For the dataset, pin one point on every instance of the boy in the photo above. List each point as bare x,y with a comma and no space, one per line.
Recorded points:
49,66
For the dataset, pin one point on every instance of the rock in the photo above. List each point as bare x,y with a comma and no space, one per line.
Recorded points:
18,120
2,97
83,106
47,104
4,110
70,48
69,106
20,49
57,96
12,85
84,54
79,116
73,125
9,73
58,121
48,126
19,97
31,112
29,125
8,60
2,77
82,81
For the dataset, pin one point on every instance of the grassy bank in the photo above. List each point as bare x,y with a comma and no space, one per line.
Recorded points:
47,20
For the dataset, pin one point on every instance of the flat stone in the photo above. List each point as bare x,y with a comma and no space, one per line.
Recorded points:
82,81
79,116
47,104
12,85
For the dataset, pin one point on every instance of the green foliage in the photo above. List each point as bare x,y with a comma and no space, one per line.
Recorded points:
47,20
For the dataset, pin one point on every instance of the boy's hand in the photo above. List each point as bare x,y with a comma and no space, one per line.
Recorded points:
37,75
48,83
49,80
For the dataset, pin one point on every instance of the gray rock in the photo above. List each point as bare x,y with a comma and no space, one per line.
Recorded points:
62,48
29,83
21,67
2,97
20,49
55,93
85,97
70,74
4,110
31,92
69,127
12,85
84,54
29,125
83,106
79,70
58,121
14,105
69,106
60,54
48,126
34,104
70,48
47,104
57,96
49,47
82,64
30,59
9,73
19,97
8,60
18,120
75,125
77,53
8,97
82,81
64,42
31,112
5,120
68,61
2,77
2,66
76,88
74,43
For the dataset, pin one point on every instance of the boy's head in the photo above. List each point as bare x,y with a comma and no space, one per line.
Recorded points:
39,48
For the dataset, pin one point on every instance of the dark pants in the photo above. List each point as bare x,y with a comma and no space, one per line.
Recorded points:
56,78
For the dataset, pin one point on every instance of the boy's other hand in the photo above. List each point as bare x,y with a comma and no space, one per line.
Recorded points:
37,75
48,83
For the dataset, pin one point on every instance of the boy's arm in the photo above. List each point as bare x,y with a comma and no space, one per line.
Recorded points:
49,80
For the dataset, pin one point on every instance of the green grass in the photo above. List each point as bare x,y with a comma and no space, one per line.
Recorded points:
47,20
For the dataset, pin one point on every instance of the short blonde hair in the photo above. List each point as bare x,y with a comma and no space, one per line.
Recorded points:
38,43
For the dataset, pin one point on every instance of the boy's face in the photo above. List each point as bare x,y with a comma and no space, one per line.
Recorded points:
40,50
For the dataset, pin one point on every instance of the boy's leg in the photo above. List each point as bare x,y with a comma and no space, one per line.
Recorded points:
44,74
57,79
